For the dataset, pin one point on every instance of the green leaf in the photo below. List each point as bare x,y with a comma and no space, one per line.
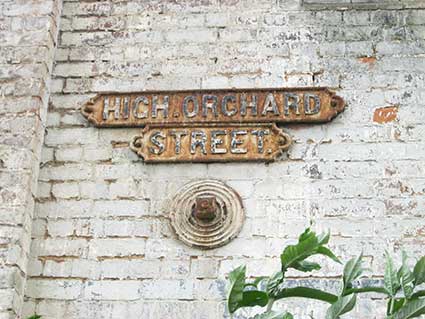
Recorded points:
252,298
306,292
295,253
411,309
391,282
323,238
306,266
308,244
305,235
380,290
406,278
396,305
274,315
352,271
237,285
274,282
34,317
420,293
327,252
419,271
343,305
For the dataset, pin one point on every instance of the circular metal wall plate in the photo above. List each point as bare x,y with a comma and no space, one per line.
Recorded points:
216,230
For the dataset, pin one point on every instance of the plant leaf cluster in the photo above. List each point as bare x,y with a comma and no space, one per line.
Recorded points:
405,299
243,294
401,287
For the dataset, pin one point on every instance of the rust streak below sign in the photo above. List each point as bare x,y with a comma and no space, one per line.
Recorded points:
213,143
289,105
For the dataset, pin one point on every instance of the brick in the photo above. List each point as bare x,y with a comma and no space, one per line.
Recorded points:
65,190
54,289
112,290
167,289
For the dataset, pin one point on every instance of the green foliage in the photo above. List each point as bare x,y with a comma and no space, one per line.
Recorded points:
406,278
405,282
352,271
242,294
239,296
343,305
391,282
34,317
274,315
405,300
237,282
411,309
309,244
419,271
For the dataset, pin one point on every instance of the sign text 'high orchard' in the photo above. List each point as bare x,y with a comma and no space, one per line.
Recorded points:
213,106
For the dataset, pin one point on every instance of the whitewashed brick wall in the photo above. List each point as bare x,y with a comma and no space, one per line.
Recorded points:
101,242
28,34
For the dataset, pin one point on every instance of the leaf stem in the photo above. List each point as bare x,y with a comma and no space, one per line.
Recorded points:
391,305
270,304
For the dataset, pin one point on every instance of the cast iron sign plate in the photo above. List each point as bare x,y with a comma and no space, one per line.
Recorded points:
212,125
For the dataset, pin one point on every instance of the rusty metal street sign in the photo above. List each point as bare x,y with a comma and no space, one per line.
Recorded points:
293,105
213,143
212,125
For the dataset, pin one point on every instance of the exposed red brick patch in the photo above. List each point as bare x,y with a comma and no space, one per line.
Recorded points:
370,60
385,114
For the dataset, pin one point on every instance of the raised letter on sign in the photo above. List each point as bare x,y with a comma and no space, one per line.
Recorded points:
291,102
215,141
198,138
111,108
225,103
235,142
126,110
178,139
154,140
159,106
310,110
209,102
136,106
260,139
186,101
245,104
270,105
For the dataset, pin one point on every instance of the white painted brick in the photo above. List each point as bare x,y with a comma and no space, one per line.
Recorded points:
54,289
68,154
122,208
101,248
97,154
71,136
204,268
167,289
123,188
112,290
65,190
43,189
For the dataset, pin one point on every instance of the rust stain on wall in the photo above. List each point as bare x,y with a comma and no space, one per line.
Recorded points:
370,60
385,114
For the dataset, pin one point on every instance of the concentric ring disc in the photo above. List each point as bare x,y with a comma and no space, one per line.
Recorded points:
211,234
